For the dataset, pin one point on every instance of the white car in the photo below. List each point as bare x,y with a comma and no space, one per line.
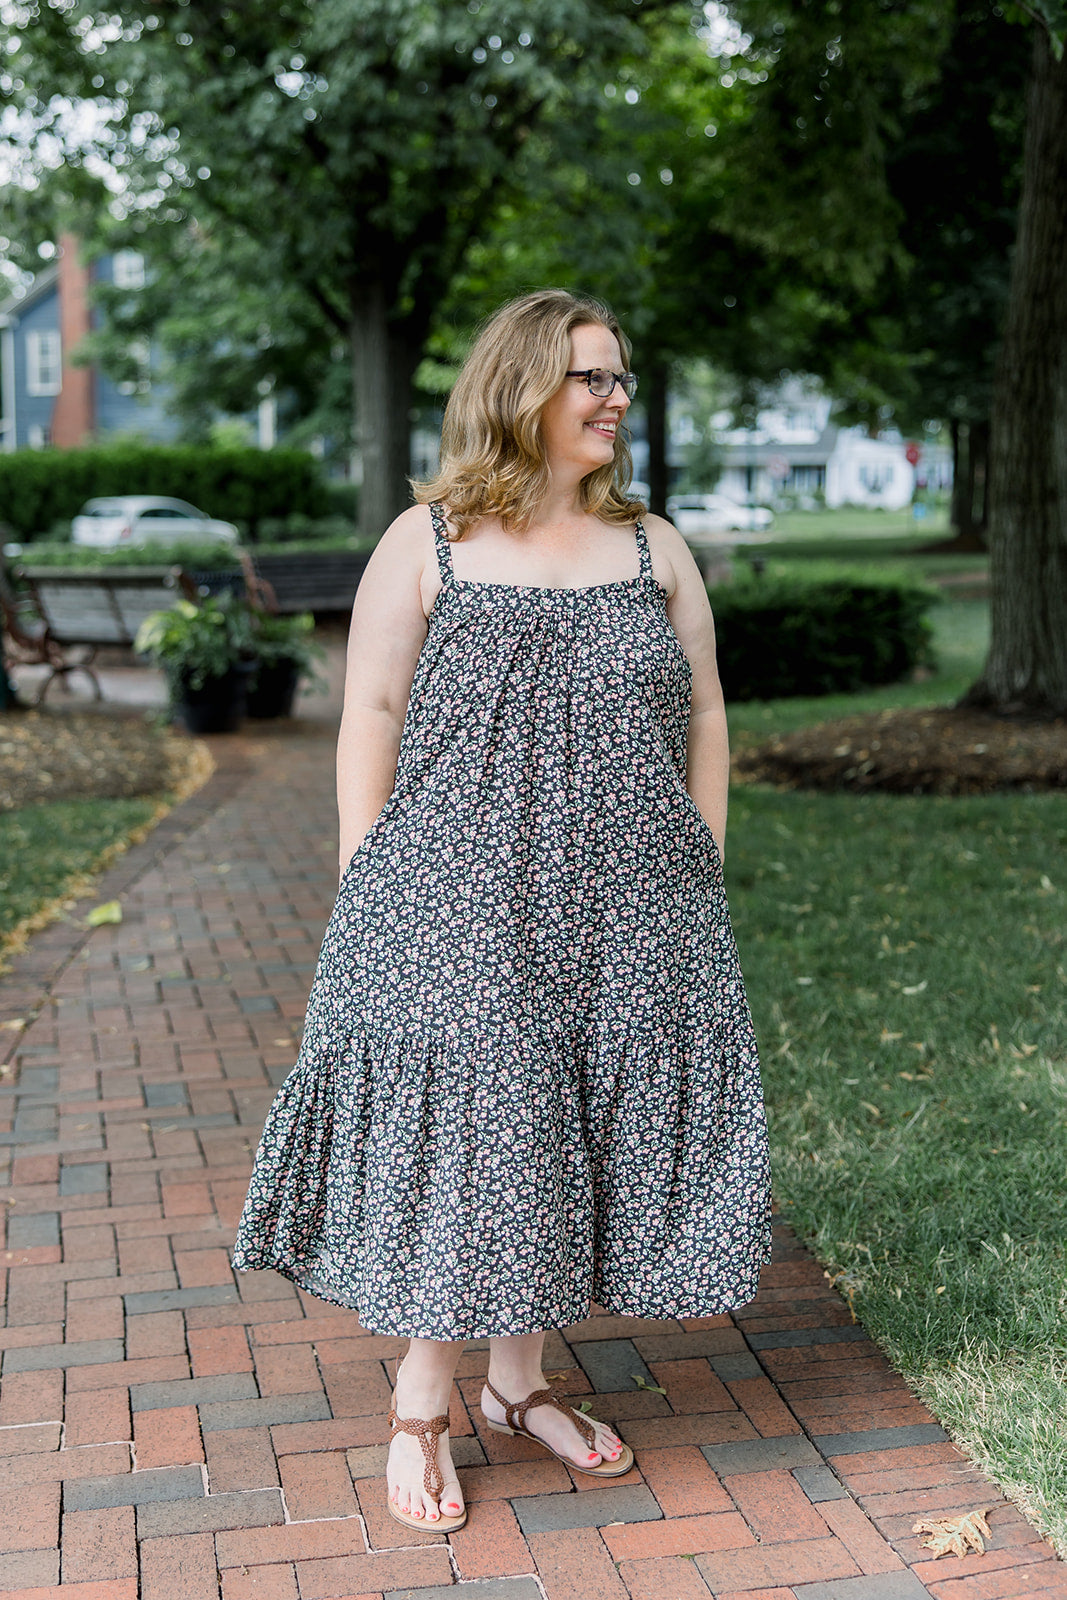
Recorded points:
108,524
698,515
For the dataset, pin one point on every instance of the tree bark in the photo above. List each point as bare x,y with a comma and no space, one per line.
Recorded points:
383,365
656,394
1026,671
970,480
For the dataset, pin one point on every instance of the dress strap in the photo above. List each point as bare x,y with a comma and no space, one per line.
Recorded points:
442,541
643,551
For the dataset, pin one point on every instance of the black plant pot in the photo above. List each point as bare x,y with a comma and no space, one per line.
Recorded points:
273,690
218,706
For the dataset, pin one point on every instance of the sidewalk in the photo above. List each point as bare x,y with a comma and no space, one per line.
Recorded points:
190,1433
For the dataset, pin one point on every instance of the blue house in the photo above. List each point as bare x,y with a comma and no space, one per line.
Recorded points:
45,399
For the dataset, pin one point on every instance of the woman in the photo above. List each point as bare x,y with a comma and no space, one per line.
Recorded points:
528,1075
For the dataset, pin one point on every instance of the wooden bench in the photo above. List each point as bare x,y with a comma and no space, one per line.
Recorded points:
72,611
314,581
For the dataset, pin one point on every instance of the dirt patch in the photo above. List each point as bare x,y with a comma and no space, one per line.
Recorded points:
914,751
83,755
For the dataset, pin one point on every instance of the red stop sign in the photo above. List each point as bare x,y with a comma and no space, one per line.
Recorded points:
913,453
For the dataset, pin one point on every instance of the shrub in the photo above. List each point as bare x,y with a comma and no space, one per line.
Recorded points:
39,488
193,554
782,636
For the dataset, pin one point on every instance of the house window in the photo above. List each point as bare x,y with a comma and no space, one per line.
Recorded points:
808,478
876,478
128,269
44,361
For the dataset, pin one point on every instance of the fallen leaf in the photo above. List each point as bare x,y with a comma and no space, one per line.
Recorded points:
14,1023
915,988
110,911
653,1388
954,1536
887,1038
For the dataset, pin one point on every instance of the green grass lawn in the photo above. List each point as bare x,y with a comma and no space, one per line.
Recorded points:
46,849
906,959
854,522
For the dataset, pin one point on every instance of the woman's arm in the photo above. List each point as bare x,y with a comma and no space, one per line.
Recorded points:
689,612
387,633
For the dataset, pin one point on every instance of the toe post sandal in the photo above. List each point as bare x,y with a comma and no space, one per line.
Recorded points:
515,1412
427,1433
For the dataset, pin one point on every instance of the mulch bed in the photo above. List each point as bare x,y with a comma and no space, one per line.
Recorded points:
84,755
914,751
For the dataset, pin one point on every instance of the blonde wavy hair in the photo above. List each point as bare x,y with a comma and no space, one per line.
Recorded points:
492,454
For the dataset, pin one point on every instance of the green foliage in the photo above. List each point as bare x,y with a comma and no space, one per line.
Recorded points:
334,532
188,553
286,641
193,643
782,636
306,180
40,487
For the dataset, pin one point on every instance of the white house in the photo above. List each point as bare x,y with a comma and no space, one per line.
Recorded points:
795,448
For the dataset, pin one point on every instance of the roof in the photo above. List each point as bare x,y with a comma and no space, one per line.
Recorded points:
15,306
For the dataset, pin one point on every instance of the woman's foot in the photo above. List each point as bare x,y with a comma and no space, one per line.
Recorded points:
406,1468
552,1426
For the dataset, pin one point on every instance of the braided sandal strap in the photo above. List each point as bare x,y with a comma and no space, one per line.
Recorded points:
515,1411
427,1434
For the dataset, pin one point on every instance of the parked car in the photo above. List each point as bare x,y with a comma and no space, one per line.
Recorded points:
697,516
108,524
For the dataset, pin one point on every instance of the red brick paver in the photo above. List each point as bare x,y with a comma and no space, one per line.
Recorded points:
169,1431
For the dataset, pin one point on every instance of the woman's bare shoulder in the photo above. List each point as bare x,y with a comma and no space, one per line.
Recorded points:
403,562
670,554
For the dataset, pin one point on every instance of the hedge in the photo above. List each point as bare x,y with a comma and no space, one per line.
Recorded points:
782,636
39,488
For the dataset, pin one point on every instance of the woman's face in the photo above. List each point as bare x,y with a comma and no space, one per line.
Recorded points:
578,428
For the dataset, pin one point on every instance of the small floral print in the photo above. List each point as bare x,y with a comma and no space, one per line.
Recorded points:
528,1077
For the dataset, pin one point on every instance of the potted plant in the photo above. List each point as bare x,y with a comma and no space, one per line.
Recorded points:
284,653
206,651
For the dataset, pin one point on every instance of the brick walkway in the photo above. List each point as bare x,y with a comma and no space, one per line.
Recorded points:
190,1434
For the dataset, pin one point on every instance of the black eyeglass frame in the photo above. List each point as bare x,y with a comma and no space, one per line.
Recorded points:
627,381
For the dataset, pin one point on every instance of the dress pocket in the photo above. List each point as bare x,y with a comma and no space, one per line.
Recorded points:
701,828
370,839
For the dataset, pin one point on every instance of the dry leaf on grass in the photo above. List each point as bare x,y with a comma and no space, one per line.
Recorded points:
954,1536
110,911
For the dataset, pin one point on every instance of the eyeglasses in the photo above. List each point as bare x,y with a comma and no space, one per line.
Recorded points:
602,382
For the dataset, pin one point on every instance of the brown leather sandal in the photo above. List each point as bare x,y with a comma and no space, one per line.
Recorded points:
433,1481
515,1412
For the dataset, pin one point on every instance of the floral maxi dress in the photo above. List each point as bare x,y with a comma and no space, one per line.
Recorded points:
528,1075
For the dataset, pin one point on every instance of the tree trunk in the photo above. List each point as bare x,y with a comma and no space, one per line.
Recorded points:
383,364
979,482
655,389
1026,671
